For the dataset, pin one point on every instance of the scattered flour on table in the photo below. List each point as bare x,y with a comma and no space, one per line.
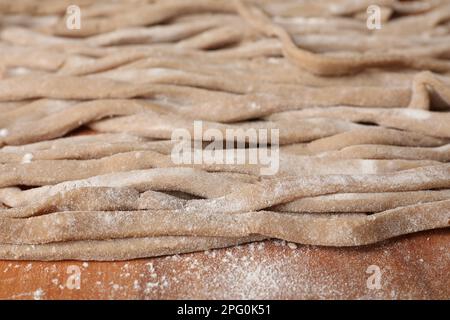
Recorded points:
37,295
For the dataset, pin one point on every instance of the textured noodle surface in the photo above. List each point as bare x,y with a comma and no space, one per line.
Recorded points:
363,120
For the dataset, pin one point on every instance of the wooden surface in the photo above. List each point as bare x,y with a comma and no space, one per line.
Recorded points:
412,267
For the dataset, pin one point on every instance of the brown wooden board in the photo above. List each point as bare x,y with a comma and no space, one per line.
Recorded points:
412,267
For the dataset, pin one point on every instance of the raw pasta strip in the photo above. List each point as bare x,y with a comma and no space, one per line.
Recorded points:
118,249
237,193
119,199
430,123
47,172
334,230
327,64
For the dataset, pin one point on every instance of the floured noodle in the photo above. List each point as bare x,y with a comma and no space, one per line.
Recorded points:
87,117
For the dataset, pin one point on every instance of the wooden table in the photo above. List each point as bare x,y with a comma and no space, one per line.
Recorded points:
412,267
